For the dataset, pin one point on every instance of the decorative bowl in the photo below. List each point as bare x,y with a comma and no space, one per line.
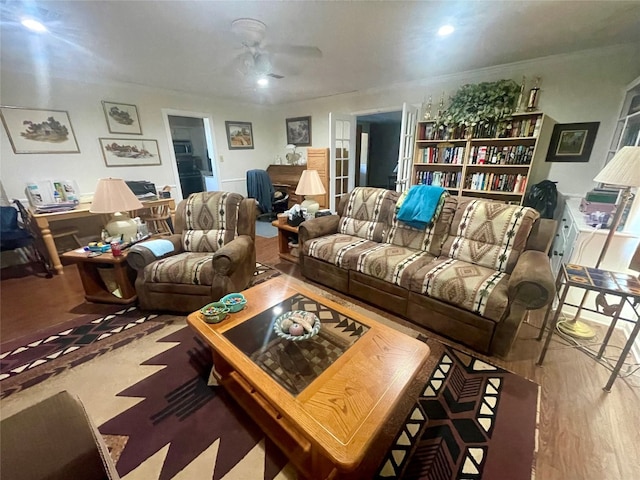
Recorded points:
277,326
214,312
234,302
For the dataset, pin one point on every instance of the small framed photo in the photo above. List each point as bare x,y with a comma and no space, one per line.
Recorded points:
299,131
33,130
122,118
572,142
239,135
127,152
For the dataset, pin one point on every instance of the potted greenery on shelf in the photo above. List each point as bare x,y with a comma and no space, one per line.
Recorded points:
482,103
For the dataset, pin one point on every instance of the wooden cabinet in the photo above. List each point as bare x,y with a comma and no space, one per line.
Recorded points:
493,162
318,159
287,178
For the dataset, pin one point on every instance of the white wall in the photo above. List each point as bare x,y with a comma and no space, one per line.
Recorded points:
83,103
583,87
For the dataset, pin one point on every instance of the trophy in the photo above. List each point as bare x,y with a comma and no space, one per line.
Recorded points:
427,112
534,95
519,105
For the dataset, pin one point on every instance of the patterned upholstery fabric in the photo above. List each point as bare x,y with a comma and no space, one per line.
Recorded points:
187,268
211,220
338,249
429,239
482,290
489,234
392,263
369,213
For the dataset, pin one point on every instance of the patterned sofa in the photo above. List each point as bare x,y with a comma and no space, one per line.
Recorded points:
213,253
471,276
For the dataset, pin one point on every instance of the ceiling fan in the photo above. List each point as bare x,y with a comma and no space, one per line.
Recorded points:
256,59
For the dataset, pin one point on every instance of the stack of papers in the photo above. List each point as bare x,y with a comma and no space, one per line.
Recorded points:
56,207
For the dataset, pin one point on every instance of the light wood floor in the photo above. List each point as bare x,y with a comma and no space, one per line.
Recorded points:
585,433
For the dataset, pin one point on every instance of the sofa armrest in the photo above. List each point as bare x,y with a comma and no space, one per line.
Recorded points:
531,283
318,227
140,256
542,234
226,259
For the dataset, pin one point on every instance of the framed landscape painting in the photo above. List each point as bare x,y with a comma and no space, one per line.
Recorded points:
127,152
239,135
122,118
299,131
572,142
33,130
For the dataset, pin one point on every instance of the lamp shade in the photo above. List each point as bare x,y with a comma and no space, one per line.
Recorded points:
623,169
113,195
310,184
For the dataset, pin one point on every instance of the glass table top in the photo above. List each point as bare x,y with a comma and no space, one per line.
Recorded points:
294,365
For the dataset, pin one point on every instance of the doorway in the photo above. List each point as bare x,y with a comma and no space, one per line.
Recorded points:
193,151
377,149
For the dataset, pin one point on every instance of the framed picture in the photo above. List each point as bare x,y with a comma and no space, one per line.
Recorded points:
299,131
127,152
239,135
572,142
32,130
122,118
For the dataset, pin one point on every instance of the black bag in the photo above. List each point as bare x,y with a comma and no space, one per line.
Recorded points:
543,197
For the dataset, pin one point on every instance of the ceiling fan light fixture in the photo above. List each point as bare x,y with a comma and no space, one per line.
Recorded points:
263,81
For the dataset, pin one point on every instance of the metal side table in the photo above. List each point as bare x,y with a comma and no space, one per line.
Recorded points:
622,285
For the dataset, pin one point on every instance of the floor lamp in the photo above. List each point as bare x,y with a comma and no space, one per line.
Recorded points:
622,170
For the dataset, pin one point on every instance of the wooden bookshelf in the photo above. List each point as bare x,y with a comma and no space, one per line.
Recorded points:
470,162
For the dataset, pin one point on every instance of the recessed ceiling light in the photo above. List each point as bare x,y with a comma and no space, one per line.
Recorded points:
33,25
445,30
263,82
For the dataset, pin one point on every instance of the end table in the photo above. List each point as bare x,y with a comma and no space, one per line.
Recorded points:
625,287
94,286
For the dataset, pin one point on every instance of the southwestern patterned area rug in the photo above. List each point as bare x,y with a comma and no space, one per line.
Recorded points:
151,400
30,360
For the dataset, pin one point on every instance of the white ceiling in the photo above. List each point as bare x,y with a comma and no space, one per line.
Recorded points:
188,45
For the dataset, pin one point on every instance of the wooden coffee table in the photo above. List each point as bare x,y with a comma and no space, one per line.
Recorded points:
322,401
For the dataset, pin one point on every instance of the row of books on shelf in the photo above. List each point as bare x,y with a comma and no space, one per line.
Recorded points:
497,182
510,128
496,155
452,155
439,179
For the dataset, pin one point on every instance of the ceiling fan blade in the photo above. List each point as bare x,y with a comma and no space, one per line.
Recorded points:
297,50
275,75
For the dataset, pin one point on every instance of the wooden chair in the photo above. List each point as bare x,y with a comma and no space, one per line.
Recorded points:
157,220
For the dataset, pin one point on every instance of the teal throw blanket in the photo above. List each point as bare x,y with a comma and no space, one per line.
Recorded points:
419,207
158,247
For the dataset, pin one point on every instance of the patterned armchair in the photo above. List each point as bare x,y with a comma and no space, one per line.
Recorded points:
211,253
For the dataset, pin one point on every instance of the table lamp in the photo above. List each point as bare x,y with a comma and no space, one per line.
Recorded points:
114,196
309,185
622,170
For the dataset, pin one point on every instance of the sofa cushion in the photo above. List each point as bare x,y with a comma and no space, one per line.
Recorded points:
392,263
368,213
489,234
479,289
429,239
191,268
338,249
211,220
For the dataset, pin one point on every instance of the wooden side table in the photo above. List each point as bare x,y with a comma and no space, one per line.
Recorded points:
284,231
621,285
94,286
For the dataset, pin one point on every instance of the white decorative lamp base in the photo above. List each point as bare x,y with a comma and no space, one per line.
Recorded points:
122,224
